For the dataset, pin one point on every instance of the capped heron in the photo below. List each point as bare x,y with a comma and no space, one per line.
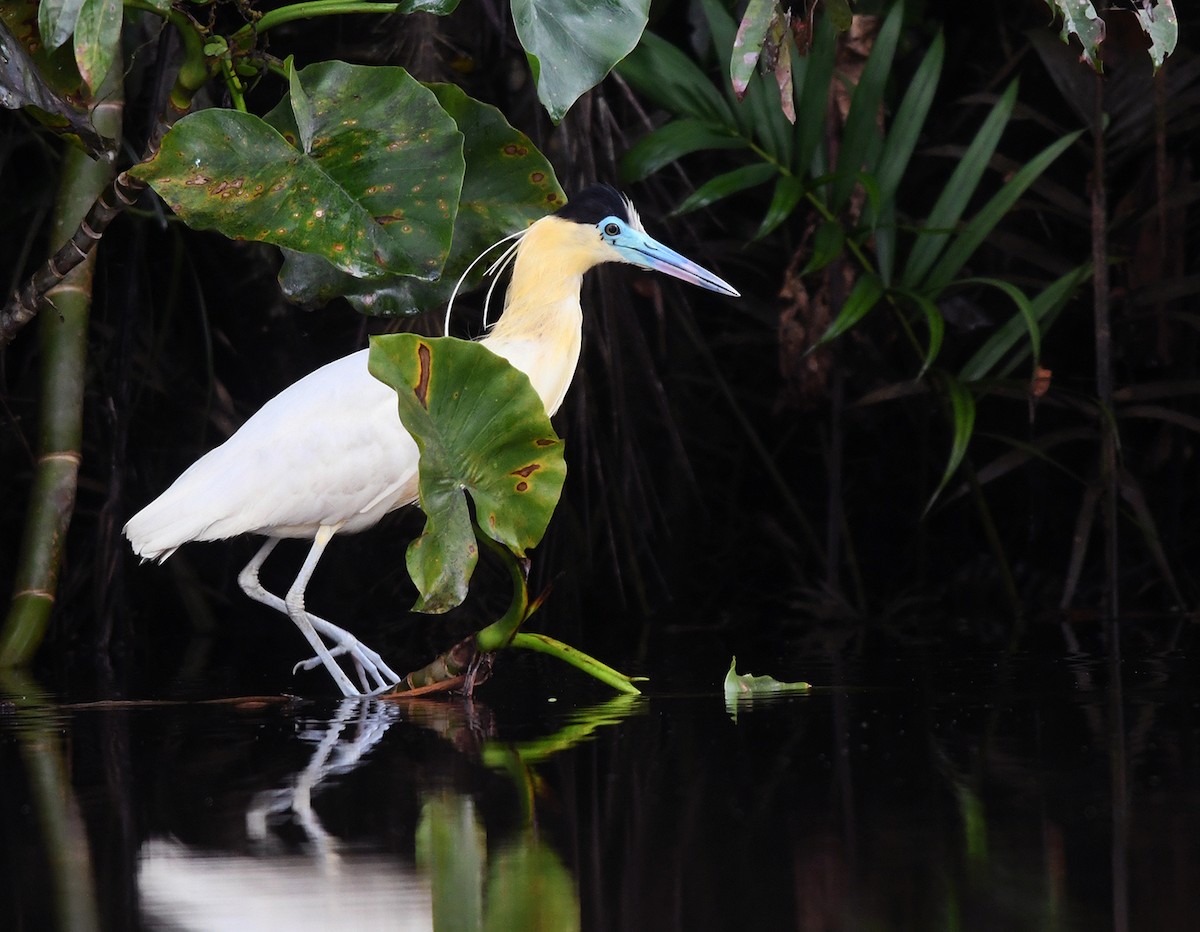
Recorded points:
329,454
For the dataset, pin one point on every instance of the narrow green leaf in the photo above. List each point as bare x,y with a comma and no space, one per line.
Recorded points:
668,78
763,120
885,240
482,430
909,121
863,297
934,321
860,138
788,191
985,363
576,43
810,79
673,141
960,188
977,230
722,29
730,183
1024,311
828,241
962,419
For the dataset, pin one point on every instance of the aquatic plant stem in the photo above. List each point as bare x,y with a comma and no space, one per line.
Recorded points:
544,644
457,666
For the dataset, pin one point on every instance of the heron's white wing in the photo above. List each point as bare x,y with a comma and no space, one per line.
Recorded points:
328,450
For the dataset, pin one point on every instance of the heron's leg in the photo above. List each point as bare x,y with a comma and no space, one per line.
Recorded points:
248,580
365,658
345,643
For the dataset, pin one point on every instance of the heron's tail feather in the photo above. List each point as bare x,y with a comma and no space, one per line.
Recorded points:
168,522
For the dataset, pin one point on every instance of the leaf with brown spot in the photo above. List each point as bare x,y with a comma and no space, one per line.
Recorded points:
502,192
478,423
340,174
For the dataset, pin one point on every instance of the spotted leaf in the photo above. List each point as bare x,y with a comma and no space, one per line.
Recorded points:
371,185
482,430
508,184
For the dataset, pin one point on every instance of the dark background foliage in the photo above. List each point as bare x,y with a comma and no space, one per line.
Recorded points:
682,429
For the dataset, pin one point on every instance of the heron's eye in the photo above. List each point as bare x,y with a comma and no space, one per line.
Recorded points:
611,229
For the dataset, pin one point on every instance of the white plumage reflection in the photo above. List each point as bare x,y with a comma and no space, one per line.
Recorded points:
329,454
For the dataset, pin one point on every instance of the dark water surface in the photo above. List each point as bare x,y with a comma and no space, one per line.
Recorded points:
909,790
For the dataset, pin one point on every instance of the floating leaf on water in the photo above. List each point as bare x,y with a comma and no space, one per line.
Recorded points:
747,686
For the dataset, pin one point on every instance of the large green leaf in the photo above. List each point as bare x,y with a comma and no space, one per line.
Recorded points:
481,428
573,44
507,185
374,190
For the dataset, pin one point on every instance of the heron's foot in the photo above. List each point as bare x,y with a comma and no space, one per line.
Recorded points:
373,673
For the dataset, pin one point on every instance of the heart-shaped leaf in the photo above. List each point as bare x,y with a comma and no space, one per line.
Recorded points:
482,429
508,184
375,189
573,44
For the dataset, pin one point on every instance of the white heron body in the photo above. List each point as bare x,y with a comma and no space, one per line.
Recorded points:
319,440
329,454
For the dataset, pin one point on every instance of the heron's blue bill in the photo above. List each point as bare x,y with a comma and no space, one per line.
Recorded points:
639,249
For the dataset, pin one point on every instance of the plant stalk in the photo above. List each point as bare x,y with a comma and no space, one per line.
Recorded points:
63,371
1103,339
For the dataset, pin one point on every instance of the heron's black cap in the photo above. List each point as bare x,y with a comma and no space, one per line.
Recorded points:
594,203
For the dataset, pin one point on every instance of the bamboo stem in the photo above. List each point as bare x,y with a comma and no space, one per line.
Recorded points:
63,369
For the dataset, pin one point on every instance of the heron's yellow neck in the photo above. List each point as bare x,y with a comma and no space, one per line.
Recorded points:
541,330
